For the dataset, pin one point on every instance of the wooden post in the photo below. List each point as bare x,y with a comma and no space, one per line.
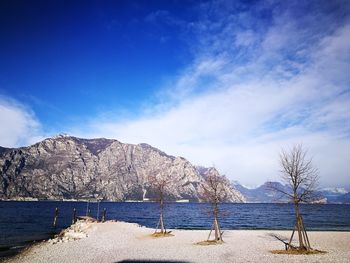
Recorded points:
300,237
217,231
104,215
305,243
219,234
74,219
157,227
98,211
161,222
55,217
212,227
306,236
87,208
291,238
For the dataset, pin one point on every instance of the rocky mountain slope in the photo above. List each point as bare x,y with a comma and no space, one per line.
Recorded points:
66,167
261,194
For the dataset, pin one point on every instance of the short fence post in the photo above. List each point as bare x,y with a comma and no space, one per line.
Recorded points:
74,219
98,211
55,217
104,215
87,208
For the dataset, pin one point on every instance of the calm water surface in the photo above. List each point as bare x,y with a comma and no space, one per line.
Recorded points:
21,223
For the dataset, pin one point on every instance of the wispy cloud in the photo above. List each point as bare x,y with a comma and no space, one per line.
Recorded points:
263,76
19,126
257,83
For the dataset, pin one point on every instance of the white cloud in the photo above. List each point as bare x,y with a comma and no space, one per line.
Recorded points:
245,38
293,87
19,126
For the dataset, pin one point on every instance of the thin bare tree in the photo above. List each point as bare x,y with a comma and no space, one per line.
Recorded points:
301,177
214,192
160,184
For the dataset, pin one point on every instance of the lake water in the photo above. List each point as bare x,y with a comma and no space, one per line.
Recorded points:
21,223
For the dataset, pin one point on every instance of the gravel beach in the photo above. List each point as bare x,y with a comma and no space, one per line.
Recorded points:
127,242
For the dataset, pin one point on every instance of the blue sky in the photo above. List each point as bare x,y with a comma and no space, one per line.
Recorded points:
224,83
69,60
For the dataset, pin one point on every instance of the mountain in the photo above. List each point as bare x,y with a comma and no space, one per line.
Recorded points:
3,149
229,195
343,199
335,195
65,167
263,194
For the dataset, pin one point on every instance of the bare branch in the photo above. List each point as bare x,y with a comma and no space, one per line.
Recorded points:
215,192
301,177
272,187
160,183
298,172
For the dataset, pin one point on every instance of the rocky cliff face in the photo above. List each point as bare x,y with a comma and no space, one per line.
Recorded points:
66,167
227,186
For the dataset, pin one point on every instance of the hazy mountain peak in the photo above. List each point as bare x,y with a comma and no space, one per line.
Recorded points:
263,194
336,190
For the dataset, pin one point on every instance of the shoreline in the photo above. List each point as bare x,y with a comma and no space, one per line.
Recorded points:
27,199
119,241
14,250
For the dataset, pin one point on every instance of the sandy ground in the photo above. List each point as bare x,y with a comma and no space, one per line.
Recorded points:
124,242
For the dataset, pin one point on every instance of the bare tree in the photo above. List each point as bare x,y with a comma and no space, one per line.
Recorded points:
160,184
215,192
301,177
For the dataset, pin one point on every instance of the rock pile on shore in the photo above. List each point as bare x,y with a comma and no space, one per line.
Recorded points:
74,232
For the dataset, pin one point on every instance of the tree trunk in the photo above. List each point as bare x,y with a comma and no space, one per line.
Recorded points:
217,230
299,225
161,222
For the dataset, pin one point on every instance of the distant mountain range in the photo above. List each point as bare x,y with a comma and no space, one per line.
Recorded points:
66,167
263,194
336,195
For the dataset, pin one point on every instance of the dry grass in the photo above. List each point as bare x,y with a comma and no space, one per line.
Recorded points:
298,252
159,234
209,242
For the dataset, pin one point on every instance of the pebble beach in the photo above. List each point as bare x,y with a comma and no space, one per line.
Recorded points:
127,242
